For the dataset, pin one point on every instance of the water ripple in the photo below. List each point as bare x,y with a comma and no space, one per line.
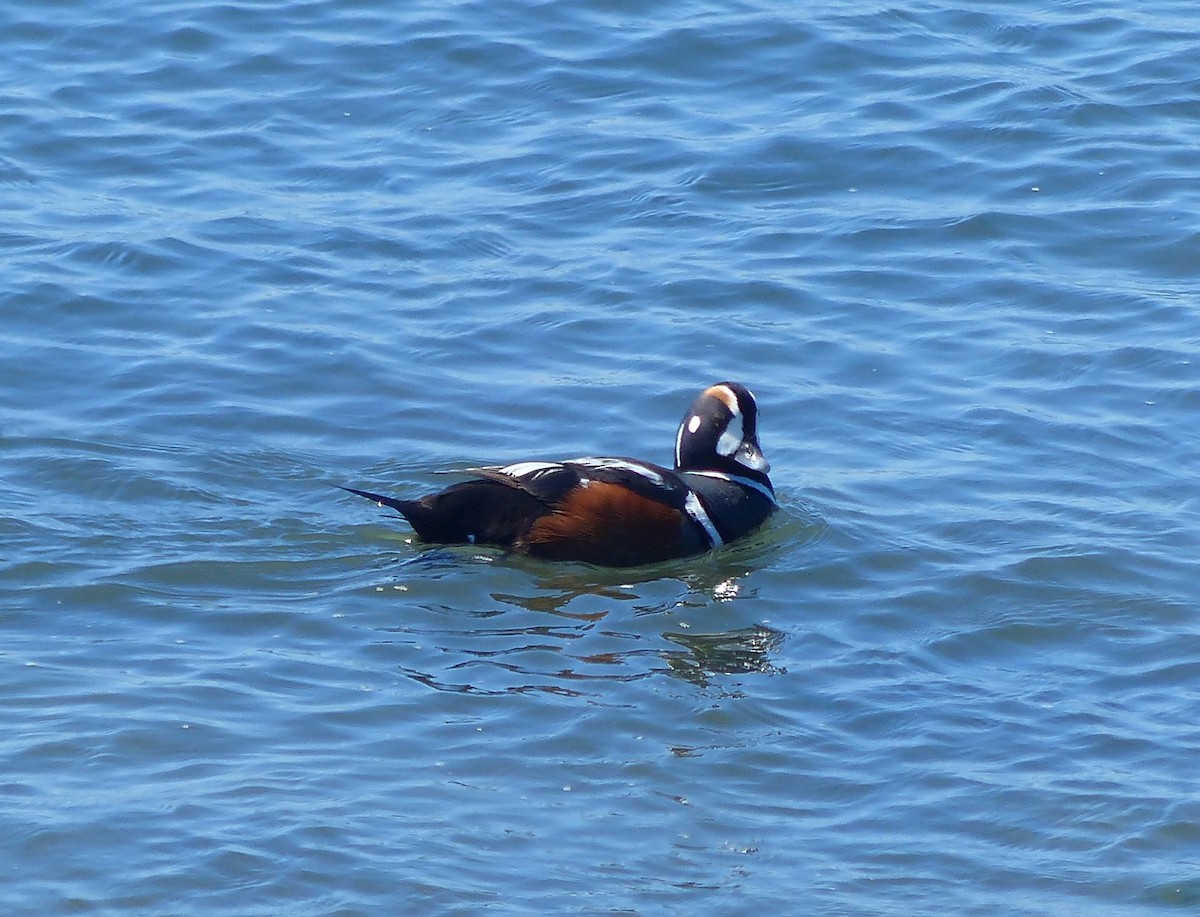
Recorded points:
258,251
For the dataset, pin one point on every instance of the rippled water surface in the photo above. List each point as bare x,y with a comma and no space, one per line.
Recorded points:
256,250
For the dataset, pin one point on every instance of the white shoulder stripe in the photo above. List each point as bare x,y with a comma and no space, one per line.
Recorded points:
696,510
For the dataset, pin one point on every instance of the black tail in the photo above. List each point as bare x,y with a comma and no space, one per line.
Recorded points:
472,512
401,506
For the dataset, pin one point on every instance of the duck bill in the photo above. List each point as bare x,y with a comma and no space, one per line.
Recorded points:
750,456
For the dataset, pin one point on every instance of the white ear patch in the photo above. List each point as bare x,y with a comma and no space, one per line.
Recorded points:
694,423
727,444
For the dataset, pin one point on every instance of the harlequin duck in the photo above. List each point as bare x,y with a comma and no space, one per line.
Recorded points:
616,512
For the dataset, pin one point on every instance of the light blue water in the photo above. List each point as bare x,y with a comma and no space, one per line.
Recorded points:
256,250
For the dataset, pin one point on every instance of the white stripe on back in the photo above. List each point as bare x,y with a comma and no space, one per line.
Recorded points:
648,473
525,469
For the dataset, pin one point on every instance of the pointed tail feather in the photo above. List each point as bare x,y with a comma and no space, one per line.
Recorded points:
472,512
401,506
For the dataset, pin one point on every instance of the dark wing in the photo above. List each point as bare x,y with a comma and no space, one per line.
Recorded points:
548,482
501,504
646,480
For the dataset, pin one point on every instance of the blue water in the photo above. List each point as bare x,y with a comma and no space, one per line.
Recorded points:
254,250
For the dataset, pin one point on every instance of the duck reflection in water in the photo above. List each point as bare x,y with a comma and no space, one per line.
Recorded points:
568,632
736,652
741,651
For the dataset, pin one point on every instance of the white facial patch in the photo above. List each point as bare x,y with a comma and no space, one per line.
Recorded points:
732,438
694,423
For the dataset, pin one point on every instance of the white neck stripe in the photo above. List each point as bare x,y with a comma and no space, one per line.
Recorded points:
734,479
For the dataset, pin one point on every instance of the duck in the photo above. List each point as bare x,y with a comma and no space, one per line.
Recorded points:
614,512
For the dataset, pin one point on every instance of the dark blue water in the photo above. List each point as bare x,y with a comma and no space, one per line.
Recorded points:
256,250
